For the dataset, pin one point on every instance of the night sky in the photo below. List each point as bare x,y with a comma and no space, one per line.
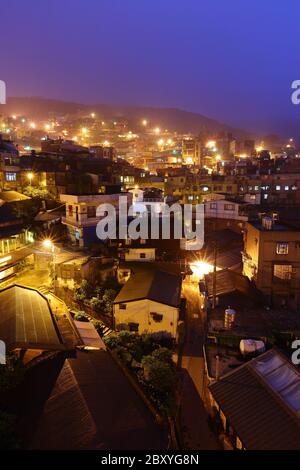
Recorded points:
233,60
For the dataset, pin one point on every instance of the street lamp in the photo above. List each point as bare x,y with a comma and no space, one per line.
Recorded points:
48,244
30,176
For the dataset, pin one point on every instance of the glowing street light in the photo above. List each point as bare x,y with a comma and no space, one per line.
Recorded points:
201,268
48,244
32,125
47,127
157,130
93,115
14,117
211,144
30,177
144,122
84,130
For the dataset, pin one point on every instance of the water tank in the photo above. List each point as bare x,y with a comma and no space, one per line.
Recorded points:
251,346
229,318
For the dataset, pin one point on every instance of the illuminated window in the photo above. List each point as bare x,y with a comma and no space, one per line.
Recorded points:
283,271
229,207
11,176
282,248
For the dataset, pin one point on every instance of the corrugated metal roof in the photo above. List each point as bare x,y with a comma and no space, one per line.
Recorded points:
262,417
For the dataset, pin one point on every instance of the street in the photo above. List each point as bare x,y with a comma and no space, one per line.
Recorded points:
193,416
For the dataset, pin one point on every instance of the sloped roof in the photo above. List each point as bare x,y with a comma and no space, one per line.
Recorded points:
228,281
92,405
26,319
261,400
152,284
12,196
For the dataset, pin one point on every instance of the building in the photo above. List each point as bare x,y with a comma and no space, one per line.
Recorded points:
138,254
271,259
149,302
258,404
191,151
16,238
27,322
103,151
81,215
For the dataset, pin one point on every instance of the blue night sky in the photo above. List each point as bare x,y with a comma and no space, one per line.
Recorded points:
233,60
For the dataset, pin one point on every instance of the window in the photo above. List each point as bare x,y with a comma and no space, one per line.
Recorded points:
91,212
70,211
157,317
282,248
122,306
142,255
133,327
213,205
286,188
283,271
229,207
11,176
277,187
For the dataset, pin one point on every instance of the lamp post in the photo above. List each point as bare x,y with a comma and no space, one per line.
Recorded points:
50,248
30,176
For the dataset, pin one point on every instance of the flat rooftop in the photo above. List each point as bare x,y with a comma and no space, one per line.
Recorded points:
26,320
276,227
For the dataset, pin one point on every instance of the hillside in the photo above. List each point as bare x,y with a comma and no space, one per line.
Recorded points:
170,118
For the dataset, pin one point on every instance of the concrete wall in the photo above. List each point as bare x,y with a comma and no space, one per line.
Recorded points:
139,312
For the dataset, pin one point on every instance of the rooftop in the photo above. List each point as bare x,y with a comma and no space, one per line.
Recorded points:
26,319
152,284
276,227
261,400
11,196
88,404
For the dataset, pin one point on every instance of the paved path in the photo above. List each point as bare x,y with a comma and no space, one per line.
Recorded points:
196,432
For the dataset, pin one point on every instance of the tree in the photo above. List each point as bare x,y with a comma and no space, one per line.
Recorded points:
163,355
160,375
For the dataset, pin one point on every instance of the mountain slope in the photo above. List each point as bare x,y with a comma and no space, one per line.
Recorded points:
170,118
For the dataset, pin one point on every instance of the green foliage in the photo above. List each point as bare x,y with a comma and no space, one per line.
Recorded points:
81,316
99,327
163,355
151,363
36,193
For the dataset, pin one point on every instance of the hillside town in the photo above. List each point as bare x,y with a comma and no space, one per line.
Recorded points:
145,342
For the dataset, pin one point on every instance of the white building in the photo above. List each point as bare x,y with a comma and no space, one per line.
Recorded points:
81,219
225,209
140,254
149,302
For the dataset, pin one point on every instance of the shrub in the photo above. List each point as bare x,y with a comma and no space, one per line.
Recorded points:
81,316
